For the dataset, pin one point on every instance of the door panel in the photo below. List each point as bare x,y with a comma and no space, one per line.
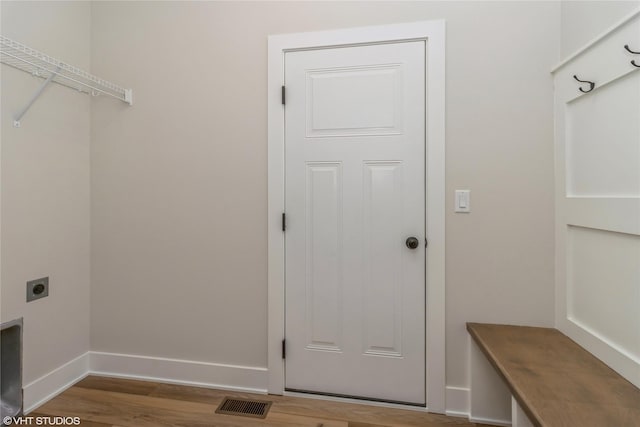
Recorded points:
324,256
355,190
354,101
382,264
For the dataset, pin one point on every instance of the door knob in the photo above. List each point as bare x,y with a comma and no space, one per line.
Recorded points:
412,243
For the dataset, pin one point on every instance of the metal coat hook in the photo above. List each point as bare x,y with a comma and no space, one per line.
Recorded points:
626,46
591,84
633,62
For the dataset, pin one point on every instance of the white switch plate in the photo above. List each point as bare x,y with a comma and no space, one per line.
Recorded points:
463,201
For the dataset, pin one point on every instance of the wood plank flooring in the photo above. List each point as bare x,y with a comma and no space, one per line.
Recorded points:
110,402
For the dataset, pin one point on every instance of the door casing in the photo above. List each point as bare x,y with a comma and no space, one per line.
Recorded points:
433,32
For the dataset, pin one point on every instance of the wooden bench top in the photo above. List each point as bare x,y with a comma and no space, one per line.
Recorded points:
555,381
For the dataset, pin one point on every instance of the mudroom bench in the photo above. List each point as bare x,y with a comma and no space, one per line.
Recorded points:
555,382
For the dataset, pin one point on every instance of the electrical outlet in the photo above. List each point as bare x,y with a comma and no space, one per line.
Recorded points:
38,288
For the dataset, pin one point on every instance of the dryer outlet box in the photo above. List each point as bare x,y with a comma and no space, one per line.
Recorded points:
38,288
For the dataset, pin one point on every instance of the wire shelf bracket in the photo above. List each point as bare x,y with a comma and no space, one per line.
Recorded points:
53,70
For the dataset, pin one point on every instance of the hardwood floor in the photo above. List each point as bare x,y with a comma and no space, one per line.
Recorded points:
109,402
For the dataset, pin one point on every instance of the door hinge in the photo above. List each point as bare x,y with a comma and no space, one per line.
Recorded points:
282,95
283,221
426,242
284,349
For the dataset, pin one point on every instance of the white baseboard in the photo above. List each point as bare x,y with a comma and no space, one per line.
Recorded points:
457,399
172,371
184,372
55,382
490,421
458,405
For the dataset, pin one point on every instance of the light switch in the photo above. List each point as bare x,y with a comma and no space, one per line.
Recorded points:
463,201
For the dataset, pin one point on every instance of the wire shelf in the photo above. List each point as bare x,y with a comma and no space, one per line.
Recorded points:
41,65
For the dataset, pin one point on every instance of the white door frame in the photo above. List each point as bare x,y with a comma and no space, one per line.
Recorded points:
434,33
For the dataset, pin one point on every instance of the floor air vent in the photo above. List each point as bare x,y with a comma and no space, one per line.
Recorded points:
244,407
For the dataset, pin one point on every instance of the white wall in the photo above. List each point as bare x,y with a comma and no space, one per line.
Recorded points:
179,251
584,20
45,188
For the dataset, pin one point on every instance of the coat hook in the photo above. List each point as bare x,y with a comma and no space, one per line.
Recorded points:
633,62
591,84
626,46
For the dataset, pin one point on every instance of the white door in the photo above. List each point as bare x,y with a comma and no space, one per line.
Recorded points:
355,192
